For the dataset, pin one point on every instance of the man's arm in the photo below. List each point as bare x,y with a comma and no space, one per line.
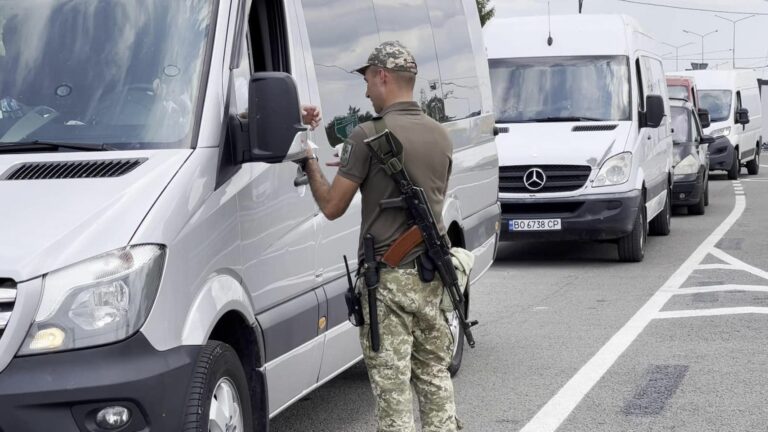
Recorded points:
334,199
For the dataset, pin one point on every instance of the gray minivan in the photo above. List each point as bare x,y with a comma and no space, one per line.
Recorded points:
163,265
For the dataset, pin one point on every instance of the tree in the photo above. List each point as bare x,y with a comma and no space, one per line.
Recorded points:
486,11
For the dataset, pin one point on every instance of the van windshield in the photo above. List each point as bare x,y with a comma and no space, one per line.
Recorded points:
678,92
124,73
561,89
718,102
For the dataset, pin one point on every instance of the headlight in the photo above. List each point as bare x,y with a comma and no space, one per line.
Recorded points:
98,301
722,132
689,165
614,171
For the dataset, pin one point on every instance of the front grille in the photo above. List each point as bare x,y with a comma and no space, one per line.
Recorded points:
559,178
7,300
542,208
73,169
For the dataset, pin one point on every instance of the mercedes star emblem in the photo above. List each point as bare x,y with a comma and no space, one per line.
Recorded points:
534,179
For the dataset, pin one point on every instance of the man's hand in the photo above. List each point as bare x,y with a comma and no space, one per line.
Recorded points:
310,116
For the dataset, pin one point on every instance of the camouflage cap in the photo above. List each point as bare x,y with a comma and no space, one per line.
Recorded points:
391,55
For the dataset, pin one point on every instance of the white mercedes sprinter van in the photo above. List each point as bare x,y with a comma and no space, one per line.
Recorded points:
585,149
163,266
735,110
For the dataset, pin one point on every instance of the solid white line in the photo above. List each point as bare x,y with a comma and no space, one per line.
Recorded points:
719,288
741,265
552,415
715,267
712,312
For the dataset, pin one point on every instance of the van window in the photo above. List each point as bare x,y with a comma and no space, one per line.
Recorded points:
682,124
458,67
750,99
127,73
408,22
717,102
561,88
342,34
678,92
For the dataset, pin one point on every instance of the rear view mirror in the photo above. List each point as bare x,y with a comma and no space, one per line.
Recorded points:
274,117
707,139
742,116
704,118
654,111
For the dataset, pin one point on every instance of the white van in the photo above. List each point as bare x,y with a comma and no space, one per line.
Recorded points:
735,110
163,265
585,149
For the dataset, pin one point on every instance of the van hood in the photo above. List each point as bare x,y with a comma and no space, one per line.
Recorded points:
49,224
560,143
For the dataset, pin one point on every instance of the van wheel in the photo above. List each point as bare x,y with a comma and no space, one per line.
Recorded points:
662,223
458,342
632,246
218,397
753,166
733,172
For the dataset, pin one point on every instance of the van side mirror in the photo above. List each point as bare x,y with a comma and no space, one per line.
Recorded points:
274,118
742,116
707,139
704,118
654,111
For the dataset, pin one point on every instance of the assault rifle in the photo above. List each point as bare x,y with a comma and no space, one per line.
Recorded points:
387,150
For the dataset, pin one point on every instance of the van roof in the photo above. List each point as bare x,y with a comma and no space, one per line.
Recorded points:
573,35
724,79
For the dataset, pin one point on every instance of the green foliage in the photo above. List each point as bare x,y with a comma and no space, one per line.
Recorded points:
486,11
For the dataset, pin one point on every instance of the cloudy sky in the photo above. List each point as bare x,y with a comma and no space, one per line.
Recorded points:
667,25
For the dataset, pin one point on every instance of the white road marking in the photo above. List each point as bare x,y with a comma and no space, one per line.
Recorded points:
712,312
552,415
738,264
720,288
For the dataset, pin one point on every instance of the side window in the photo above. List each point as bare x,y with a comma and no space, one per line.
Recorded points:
458,70
341,35
408,22
750,99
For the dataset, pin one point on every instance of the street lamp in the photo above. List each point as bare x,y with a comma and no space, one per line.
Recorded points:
677,56
702,36
734,33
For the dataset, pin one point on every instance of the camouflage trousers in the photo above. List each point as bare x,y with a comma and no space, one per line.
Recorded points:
416,348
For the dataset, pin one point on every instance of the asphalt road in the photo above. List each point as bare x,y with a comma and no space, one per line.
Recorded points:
572,340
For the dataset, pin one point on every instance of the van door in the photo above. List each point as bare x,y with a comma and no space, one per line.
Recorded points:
277,225
749,134
656,142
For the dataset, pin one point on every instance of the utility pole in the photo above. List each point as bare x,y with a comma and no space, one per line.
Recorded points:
734,33
581,3
702,36
677,56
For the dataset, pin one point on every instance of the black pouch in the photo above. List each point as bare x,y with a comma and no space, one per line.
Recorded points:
354,308
426,268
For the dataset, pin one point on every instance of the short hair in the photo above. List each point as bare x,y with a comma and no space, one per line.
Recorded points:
405,80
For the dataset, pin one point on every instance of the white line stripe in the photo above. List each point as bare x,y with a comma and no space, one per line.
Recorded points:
719,288
715,267
552,415
741,265
712,312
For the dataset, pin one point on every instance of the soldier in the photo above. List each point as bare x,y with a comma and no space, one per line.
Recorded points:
415,340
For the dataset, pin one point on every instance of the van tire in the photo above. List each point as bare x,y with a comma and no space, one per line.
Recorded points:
632,246
216,364
661,224
458,349
733,172
753,166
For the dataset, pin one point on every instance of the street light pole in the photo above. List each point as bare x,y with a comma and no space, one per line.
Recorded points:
702,36
734,33
677,56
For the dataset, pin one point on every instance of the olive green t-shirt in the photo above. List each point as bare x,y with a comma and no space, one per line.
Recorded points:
427,156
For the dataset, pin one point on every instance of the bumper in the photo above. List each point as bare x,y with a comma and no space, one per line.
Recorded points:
591,217
63,391
721,154
688,191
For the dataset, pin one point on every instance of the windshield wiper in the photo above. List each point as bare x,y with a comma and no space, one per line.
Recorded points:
41,145
565,119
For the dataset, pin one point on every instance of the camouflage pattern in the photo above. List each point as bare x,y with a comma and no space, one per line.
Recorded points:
391,55
416,348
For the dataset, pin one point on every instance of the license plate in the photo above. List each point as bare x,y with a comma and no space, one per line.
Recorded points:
535,225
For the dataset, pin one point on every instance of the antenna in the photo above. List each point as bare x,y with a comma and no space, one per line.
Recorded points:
549,18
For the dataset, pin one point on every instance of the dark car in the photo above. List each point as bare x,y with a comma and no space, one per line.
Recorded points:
691,149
